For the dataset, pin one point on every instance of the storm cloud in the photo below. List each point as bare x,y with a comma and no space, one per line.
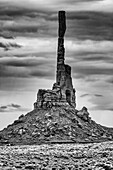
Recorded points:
81,25
26,67
91,25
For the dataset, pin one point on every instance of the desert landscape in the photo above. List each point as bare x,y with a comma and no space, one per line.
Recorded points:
92,156
56,134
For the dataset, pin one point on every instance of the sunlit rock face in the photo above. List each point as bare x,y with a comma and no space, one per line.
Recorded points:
62,92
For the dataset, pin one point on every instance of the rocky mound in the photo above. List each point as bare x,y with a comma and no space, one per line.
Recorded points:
61,124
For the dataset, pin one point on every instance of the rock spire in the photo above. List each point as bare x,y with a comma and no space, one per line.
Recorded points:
55,118
63,76
62,92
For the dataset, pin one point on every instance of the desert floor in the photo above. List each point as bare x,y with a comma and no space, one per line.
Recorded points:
57,157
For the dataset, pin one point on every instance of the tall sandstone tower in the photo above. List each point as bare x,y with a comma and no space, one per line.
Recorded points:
62,92
63,77
54,119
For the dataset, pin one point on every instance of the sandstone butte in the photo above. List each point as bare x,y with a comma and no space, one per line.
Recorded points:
55,118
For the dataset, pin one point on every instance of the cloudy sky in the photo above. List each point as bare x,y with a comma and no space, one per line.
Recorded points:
28,46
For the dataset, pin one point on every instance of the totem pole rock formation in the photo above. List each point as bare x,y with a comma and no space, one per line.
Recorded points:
63,78
55,118
62,92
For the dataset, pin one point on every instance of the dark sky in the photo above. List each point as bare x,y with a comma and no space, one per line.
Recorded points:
28,46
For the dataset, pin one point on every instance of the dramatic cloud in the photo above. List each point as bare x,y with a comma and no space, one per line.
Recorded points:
90,25
26,67
81,25
42,61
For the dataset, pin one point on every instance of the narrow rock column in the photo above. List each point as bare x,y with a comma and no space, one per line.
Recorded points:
61,49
